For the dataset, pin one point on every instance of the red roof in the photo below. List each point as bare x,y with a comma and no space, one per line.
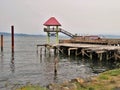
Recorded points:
52,22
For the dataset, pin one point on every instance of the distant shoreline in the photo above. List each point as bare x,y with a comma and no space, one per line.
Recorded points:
42,35
19,34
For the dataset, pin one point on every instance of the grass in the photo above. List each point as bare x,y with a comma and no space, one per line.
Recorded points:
115,72
31,87
108,80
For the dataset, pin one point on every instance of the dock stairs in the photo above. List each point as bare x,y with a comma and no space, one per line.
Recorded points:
66,33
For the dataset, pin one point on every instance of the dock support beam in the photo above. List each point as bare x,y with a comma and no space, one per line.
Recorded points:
57,39
107,55
83,52
100,56
72,49
91,55
115,54
48,35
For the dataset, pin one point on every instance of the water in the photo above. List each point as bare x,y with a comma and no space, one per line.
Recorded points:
27,66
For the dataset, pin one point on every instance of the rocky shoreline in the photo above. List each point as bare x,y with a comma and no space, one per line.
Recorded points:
109,80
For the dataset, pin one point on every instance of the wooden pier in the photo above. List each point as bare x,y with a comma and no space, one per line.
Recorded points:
91,46
87,50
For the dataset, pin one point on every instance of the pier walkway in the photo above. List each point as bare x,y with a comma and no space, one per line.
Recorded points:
87,50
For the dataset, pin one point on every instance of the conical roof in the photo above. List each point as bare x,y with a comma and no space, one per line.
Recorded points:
52,22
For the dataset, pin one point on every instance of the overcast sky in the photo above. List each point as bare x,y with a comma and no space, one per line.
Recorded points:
76,16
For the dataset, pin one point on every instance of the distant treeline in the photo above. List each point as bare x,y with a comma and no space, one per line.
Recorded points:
112,36
18,34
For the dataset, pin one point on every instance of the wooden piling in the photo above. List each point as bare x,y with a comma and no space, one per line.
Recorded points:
100,56
115,54
107,55
12,38
83,52
69,51
1,43
91,55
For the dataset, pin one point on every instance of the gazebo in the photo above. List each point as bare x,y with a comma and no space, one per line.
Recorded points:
52,22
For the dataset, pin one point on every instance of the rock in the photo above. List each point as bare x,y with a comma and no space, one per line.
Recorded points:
65,88
54,86
93,79
79,80
72,86
65,83
50,87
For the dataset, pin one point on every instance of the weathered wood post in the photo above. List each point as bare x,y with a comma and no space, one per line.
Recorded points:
12,38
107,55
91,55
83,52
76,52
1,43
68,51
100,56
115,54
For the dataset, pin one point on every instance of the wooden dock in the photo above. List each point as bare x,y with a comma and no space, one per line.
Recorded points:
91,46
91,51
88,40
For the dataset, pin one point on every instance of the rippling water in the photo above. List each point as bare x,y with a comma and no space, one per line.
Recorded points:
26,65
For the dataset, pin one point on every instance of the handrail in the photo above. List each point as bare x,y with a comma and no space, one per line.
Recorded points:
66,32
59,30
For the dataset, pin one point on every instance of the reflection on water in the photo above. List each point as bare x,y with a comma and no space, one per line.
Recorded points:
56,61
12,64
1,61
25,65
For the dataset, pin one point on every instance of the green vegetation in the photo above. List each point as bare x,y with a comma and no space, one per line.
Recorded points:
31,87
108,80
115,72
